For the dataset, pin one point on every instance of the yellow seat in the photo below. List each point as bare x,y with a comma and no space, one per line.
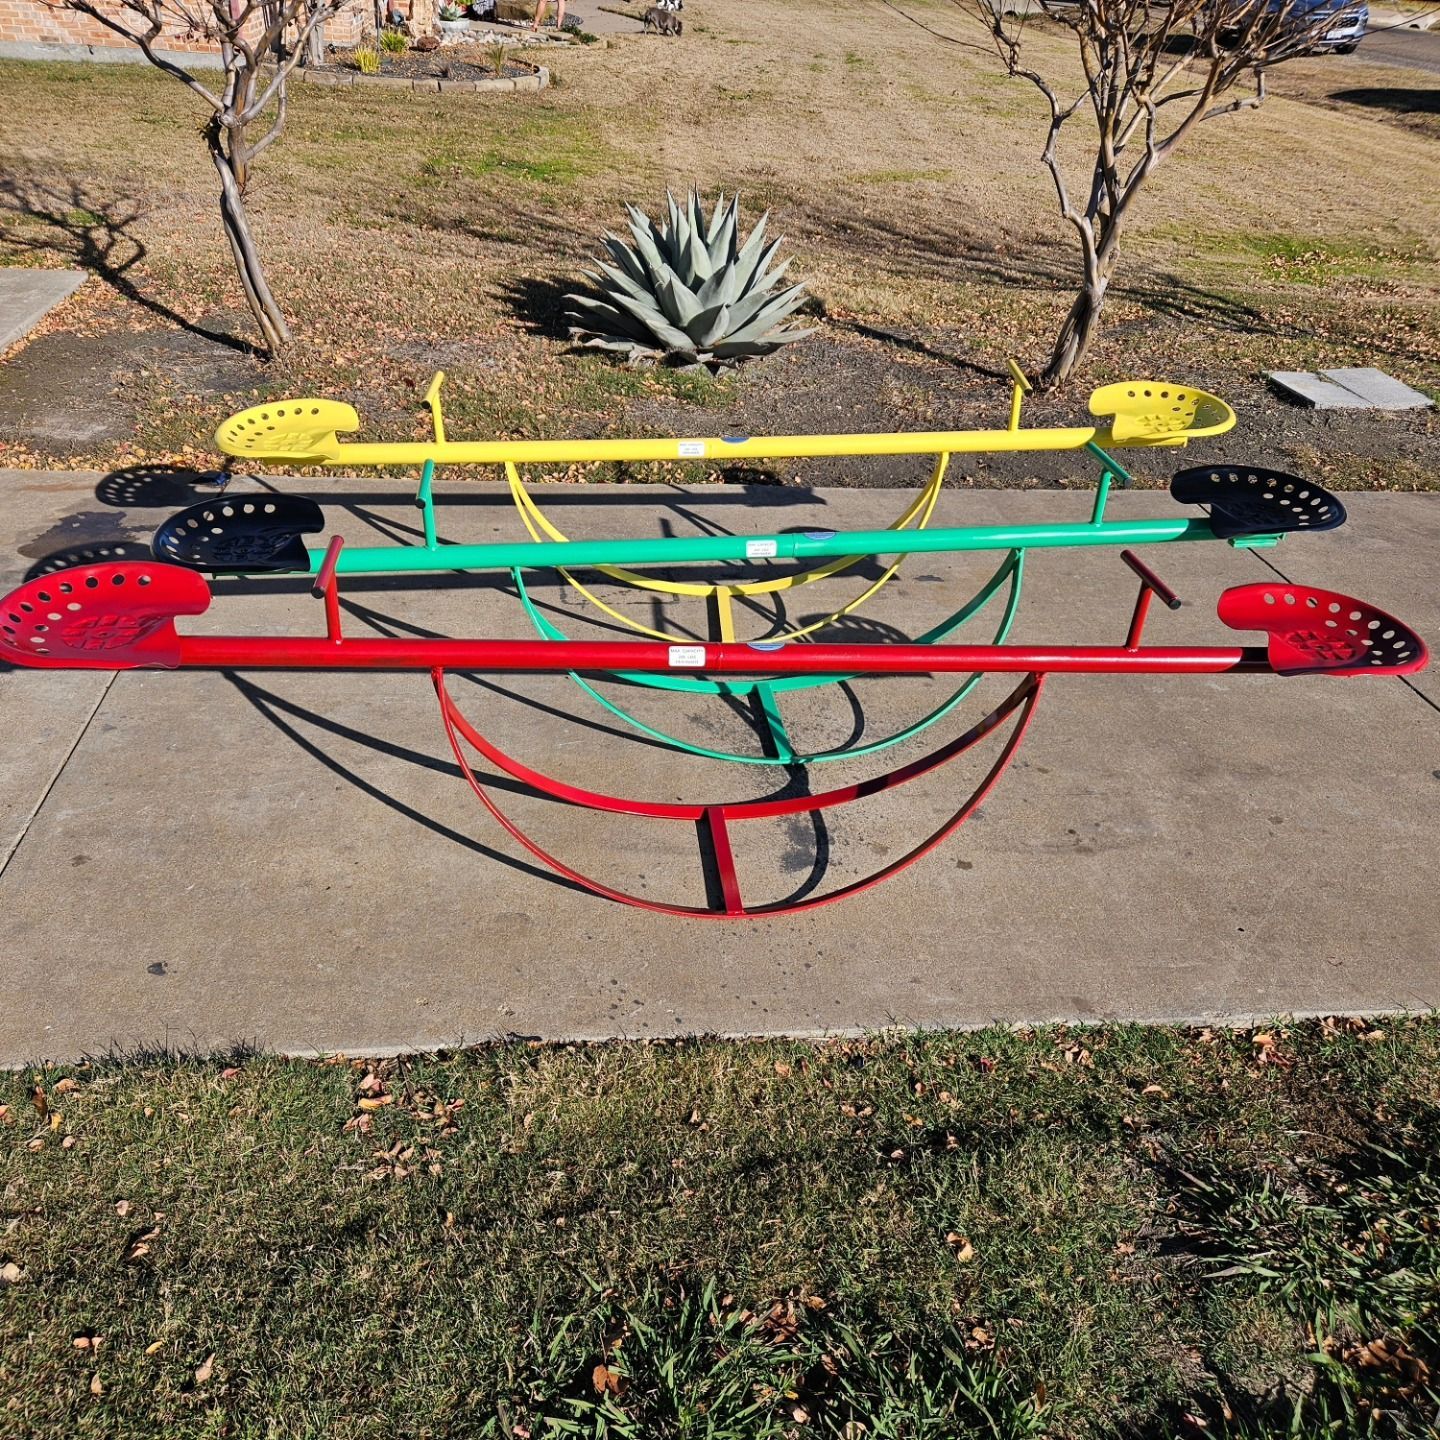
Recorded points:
298,430
1157,413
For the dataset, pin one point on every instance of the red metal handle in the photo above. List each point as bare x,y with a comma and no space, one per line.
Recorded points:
1150,584
1150,579
325,576
327,585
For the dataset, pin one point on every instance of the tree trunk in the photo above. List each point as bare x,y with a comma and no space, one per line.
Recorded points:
267,313
1084,318
1075,335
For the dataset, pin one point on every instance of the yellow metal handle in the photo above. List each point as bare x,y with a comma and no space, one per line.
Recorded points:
1019,390
432,399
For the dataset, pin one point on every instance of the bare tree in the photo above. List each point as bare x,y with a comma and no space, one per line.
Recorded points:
1149,74
259,42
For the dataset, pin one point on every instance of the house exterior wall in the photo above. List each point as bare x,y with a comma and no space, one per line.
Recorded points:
32,29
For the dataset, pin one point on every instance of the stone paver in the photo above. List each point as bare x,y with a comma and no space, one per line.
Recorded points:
293,860
1355,388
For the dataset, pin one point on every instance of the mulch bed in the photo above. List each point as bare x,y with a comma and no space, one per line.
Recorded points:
454,62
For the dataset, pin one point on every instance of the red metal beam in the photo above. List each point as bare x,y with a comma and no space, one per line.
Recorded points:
284,652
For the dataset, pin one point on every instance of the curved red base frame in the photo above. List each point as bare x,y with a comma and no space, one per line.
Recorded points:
717,818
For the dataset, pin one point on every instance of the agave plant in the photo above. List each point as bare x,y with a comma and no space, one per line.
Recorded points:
688,290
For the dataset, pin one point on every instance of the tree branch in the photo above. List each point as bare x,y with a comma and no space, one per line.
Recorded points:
146,42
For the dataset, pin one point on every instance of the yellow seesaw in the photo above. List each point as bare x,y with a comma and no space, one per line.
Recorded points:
1138,413
1132,412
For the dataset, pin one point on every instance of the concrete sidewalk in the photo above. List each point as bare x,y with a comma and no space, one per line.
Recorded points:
27,296
293,860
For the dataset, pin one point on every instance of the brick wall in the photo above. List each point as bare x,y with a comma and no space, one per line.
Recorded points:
35,23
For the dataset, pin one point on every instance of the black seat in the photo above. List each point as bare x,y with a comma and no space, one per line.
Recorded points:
1247,500
241,535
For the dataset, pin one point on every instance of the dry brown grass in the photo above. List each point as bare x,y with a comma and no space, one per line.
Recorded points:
405,232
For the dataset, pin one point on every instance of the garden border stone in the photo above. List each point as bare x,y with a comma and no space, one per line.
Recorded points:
343,80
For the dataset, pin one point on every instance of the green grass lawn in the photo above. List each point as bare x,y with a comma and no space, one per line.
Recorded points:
1110,1232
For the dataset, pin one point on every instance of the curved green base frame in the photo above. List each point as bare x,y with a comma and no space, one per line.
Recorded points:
1011,569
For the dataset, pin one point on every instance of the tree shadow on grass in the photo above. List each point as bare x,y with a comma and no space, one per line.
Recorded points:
937,251
97,235
1384,97
539,304
943,252
547,236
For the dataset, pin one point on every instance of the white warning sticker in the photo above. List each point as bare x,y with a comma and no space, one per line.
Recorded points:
686,657
761,549
691,449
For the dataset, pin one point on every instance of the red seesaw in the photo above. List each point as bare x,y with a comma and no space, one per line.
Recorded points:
121,616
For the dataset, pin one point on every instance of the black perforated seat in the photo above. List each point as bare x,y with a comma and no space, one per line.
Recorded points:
241,535
1248,500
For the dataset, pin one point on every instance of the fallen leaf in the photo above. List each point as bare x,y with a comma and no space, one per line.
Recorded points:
122,1208
11,1273
205,1371
68,1142
377,1103
96,1388
964,1250
139,1245
782,1069
65,1086
155,1348
604,1379
1156,1090
230,1072
1373,1037
38,1100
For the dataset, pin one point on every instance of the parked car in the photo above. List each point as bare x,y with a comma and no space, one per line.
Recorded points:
1303,16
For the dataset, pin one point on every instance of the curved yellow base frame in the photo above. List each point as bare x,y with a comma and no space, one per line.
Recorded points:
723,594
